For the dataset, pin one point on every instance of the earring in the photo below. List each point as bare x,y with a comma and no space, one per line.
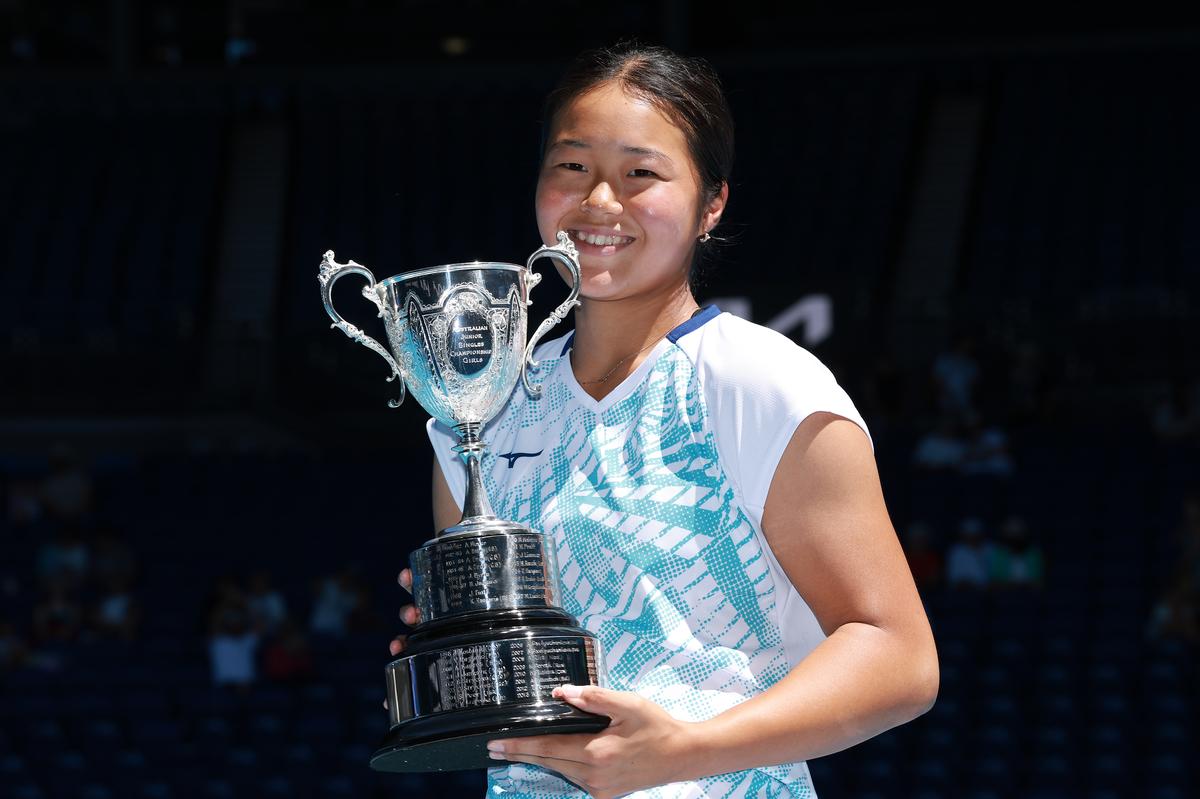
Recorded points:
705,237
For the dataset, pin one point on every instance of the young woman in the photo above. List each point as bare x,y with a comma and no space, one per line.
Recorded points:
710,489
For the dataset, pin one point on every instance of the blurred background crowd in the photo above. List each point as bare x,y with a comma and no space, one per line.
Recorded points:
204,501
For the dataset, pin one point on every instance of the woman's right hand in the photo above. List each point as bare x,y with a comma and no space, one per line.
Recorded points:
408,614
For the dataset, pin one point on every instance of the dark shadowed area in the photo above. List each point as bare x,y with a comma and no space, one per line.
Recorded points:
986,222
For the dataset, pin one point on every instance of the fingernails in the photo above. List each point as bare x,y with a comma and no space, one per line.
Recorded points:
496,755
495,746
569,691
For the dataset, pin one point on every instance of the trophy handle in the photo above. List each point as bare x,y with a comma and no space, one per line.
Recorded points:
565,252
331,272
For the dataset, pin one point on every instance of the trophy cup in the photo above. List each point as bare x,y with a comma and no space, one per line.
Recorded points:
493,640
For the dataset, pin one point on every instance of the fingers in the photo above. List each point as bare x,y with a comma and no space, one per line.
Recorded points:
574,772
570,748
408,614
594,699
566,755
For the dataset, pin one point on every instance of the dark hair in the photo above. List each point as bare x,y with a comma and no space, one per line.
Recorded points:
686,90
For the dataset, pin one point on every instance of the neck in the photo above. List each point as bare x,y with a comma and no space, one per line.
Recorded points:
608,331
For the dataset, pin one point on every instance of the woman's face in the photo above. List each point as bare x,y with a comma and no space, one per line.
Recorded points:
619,178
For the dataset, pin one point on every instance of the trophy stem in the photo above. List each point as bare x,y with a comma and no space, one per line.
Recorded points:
470,448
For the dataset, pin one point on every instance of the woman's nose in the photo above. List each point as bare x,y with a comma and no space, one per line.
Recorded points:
601,200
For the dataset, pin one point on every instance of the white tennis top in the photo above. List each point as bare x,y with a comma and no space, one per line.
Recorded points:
654,498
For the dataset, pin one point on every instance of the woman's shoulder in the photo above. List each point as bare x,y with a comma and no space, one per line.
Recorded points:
735,352
757,378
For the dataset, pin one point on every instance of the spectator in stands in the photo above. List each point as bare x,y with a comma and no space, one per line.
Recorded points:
233,645
288,658
65,560
268,608
1016,560
968,561
117,612
66,493
337,597
924,560
955,374
943,448
58,618
986,449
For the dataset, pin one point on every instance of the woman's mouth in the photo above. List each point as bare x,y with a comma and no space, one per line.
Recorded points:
608,242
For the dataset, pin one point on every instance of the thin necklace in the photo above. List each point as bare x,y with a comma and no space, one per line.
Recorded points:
609,373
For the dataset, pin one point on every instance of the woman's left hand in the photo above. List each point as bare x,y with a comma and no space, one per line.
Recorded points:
643,746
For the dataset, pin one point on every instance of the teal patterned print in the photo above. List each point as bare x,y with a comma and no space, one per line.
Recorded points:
656,556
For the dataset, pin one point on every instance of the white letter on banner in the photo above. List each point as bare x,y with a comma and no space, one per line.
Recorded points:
814,311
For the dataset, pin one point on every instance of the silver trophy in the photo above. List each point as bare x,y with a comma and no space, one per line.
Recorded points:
493,641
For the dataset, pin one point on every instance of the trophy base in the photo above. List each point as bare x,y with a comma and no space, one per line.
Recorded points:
451,693
458,741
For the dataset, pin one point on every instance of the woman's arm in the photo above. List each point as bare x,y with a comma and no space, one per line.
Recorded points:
446,511
826,522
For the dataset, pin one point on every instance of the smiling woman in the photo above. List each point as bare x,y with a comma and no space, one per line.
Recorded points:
710,489
617,175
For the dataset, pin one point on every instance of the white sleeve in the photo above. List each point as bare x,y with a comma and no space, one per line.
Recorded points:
444,440
759,386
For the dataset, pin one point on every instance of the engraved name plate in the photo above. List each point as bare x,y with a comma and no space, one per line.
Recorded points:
464,574
493,673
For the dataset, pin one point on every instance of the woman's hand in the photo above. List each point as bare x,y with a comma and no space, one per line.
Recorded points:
408,614
643,746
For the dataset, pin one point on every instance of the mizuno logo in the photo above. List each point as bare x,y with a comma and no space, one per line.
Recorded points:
512,456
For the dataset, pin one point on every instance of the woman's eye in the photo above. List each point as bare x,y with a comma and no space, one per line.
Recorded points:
642,173
572,166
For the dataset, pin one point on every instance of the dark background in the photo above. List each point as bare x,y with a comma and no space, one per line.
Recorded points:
176,415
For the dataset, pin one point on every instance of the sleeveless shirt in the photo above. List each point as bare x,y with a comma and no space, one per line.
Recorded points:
654,498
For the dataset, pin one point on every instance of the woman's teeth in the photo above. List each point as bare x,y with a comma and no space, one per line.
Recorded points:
601,241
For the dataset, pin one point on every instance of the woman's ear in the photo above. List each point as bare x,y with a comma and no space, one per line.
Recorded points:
713,210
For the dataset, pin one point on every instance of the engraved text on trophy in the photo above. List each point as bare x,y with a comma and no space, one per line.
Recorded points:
470,344
498,672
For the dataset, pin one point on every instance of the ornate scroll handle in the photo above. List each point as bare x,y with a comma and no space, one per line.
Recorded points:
331,272
565,252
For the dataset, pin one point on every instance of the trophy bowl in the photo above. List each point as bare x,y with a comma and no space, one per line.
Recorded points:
493,641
